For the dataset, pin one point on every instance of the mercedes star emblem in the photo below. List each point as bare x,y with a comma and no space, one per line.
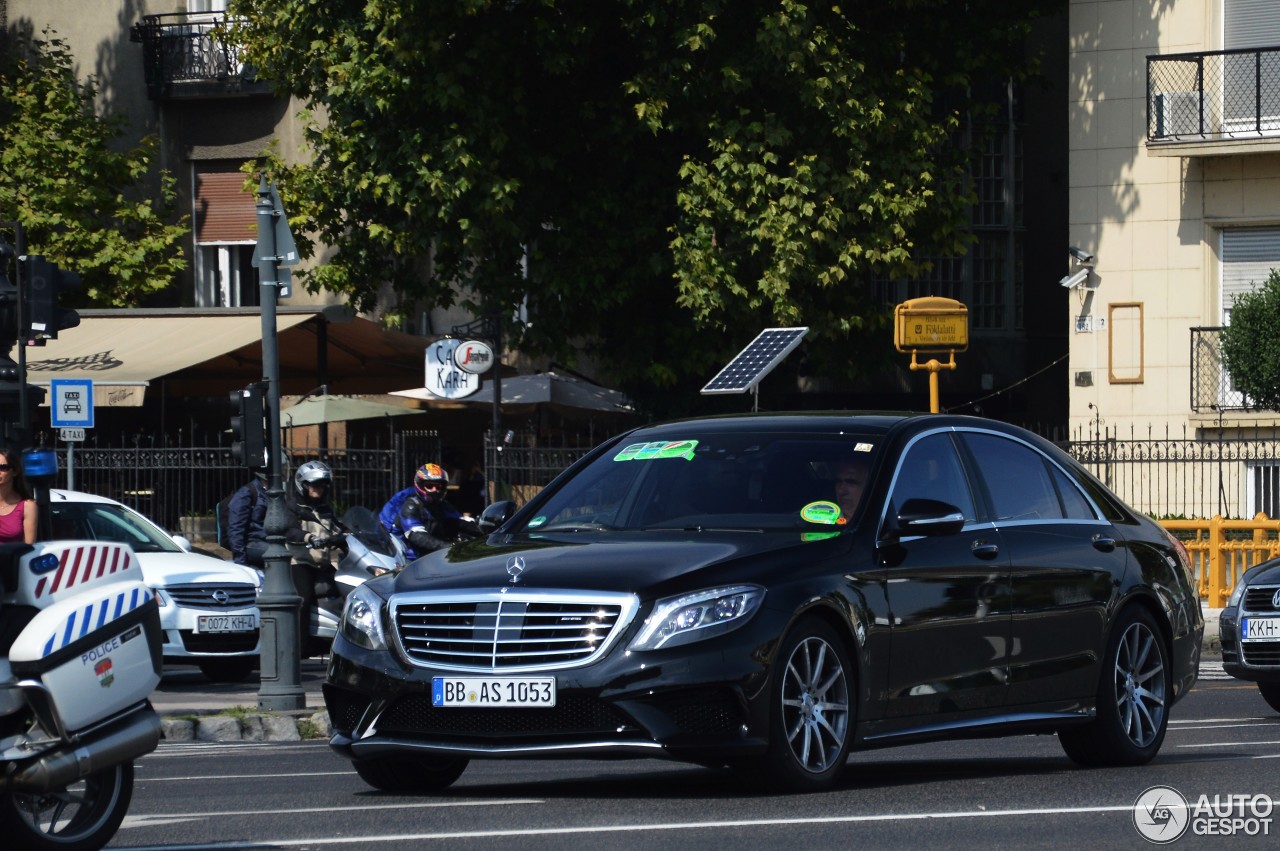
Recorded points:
515,567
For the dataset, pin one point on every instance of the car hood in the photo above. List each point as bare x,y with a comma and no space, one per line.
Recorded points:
160,569
627,562
1267,572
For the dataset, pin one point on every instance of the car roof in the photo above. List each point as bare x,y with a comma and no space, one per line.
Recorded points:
61,495
833,422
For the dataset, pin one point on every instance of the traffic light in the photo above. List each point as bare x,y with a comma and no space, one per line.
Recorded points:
45,283
8,300
249,427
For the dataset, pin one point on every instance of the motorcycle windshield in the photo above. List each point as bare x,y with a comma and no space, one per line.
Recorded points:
366,527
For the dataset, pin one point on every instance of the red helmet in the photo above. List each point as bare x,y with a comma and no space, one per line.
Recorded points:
431,481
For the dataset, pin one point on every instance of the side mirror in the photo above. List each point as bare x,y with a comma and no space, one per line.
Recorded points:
495,515
182,542
929,517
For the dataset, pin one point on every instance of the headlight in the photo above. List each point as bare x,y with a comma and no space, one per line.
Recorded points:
362,619
162,599
693,617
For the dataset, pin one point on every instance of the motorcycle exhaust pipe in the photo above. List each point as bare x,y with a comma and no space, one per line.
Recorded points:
134,738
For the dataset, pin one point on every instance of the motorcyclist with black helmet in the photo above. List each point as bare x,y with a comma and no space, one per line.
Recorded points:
427,520
315,538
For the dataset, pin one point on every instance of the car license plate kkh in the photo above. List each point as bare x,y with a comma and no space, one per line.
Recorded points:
493,692
1260,629
226,623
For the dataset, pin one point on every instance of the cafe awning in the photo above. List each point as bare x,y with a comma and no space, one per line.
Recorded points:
206,352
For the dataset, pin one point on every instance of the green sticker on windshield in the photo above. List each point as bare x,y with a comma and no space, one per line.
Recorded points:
658,449
827,513
817,536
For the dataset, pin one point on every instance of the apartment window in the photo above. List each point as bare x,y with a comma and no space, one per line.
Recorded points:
1263,490
225,217
1248,256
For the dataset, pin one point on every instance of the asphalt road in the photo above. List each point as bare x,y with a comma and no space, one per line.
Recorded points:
1019,792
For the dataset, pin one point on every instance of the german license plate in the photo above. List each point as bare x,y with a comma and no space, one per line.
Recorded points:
226,623
1260,629
493,692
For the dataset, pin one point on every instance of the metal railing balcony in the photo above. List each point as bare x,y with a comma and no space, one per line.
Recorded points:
1211,386
1214,96
188,55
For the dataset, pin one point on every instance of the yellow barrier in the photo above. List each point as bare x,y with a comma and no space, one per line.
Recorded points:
1221,550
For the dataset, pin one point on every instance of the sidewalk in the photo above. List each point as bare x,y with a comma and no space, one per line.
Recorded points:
193,709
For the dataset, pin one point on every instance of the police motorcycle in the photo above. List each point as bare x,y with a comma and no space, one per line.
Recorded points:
80,652
371,551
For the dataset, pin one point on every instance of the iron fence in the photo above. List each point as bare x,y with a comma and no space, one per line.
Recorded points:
1234,473
167,483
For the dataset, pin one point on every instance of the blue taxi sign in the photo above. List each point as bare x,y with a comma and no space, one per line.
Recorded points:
72,402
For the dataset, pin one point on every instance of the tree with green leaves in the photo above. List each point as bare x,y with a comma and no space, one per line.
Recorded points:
651,181
1251,342
84,204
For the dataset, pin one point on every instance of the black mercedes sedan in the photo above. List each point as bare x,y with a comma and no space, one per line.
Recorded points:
1250,630
770,593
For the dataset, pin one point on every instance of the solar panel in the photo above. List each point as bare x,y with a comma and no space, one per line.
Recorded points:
755,361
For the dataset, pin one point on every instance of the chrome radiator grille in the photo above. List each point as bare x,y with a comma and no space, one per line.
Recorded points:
503,632
228,596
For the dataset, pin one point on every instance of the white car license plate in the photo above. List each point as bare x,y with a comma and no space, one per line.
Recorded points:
226,623
494,692
1260,629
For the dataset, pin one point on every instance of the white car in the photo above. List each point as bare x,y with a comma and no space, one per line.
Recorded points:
208,607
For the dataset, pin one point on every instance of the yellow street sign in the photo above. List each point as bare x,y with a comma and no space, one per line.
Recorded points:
931,324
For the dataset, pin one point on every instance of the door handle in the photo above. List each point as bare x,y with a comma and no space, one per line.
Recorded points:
1104,544
983,550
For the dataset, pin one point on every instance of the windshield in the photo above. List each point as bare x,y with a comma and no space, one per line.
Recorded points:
365,525
748,481
102,521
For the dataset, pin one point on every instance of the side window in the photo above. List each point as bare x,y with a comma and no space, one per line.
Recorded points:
1073,500
932,470
1022,483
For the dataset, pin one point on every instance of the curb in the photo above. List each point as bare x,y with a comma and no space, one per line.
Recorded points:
254,727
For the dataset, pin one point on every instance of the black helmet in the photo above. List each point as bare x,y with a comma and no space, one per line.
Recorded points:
429,476
310,473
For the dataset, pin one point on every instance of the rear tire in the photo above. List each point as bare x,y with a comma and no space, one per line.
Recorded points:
81,817
228,669
1132,703
410,773
1271,694
813,710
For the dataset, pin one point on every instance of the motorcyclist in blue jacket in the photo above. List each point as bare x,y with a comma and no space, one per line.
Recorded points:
427,521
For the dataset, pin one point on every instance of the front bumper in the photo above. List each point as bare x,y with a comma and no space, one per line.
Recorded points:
1257,661
703,702
183,640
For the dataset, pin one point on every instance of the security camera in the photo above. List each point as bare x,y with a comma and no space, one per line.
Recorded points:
1075,279
1081,256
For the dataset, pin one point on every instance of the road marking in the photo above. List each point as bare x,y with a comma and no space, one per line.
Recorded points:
134,820
648,828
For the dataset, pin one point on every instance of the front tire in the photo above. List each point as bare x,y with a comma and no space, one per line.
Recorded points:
82,817
811,724
410,773
1132,707
1271,694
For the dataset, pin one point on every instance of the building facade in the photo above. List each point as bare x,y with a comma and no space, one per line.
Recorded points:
1175,205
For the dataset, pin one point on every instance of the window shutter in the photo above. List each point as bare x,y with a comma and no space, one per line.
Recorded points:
224,211
1248,256
1251,23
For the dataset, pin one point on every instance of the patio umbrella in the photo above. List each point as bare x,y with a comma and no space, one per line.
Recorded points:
325,408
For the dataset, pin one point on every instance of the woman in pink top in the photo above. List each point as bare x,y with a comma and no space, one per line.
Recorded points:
17,508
